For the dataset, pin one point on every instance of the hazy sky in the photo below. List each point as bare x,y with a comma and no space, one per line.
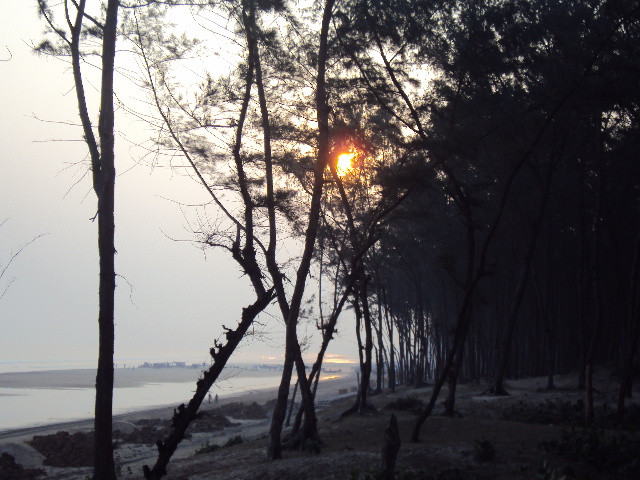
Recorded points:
171,297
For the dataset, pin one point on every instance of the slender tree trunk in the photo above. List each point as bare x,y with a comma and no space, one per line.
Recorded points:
392,362
368,348
631,345
450,401
327,335
291,404
103,166
543,305
363,315
380,357
104,467
498,387
292,347
460,334
184,415
401,368
595,281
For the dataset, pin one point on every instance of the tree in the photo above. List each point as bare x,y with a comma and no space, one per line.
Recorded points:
263,164
71,41
509,93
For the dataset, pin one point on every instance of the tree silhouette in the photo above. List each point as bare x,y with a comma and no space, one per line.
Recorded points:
80,29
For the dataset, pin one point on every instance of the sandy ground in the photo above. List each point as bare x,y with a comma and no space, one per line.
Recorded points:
446,450
133,457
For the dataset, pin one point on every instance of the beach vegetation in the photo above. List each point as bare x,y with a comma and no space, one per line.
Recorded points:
237,440
598,449
208,448
212,447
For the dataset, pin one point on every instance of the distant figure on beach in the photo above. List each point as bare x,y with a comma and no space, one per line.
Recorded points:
216,399
210,397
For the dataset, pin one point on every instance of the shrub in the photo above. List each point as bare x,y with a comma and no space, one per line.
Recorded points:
591,446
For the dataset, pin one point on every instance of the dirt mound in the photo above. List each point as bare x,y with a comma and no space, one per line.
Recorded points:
210,422
410,403
10,470
242,411
145,434
64,450
149,431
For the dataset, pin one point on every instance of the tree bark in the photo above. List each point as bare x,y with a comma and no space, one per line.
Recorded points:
103,167
595,278
183,416
498,387
450,401
291,404
632,337
292,347
361,306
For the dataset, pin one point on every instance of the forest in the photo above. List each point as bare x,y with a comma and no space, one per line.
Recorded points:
461,175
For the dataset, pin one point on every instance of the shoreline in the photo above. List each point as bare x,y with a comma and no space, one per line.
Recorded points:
123,377
328,389
34,399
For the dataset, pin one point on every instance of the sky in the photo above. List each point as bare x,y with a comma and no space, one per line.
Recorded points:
171,298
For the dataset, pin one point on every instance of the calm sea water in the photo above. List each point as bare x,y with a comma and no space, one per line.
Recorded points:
25,407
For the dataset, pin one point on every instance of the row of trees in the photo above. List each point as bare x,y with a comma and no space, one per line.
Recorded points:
488,226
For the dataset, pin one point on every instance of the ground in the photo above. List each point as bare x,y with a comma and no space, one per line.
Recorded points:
523,436
450,448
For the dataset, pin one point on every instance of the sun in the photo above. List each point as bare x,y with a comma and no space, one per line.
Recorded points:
344,164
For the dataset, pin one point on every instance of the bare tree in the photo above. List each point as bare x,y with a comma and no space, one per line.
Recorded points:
70,41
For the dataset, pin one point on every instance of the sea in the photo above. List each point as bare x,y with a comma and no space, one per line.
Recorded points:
29,407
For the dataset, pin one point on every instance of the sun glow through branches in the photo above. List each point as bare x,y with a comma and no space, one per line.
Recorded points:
344,164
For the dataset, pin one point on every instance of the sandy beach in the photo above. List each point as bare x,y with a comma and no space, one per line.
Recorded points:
124,377
29,399
14,441
514,427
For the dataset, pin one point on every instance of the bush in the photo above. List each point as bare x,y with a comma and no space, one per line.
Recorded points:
591,446
212,447
561,412
237,440
483,450
406,404
207,448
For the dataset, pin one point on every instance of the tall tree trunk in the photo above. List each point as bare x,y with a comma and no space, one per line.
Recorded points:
460,334
543,305
380,356
292,404
368,329
327,335
292,347
631,345
103,168
498,387
450,401
595,281
363,315
392,361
